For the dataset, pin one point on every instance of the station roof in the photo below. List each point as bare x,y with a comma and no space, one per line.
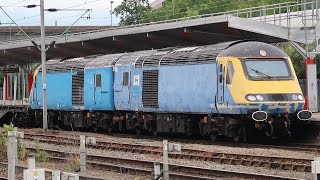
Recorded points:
175,33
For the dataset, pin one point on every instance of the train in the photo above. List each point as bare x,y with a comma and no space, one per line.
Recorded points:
227,89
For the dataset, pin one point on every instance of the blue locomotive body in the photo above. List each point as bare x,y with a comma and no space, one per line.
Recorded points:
207,90
56,99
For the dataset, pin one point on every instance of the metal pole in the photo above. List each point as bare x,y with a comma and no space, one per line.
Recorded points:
156,170
15,88
56,175
111,12
44,68
4,87
31,163
165,160
83,153
16,145
317,11
12,140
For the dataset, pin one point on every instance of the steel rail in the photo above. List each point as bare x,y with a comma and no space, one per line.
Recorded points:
144,167
272,162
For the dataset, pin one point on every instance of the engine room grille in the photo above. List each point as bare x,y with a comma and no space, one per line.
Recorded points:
78,89
150,89
278,97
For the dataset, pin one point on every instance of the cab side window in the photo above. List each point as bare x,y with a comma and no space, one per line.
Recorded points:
98,80
230,73
125,79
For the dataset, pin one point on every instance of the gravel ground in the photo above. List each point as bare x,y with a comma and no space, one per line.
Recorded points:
211,148
176,161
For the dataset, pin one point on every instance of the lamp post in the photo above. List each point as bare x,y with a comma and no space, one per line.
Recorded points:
111,2
43,63
44,68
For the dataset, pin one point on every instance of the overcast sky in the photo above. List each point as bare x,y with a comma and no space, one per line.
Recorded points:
100,14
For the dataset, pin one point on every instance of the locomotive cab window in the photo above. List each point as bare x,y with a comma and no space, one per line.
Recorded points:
221,75
125,79
267,69
230,73
98,80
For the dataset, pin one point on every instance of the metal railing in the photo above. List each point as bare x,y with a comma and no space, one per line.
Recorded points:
306,9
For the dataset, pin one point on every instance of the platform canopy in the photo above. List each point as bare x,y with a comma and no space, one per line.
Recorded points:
182,32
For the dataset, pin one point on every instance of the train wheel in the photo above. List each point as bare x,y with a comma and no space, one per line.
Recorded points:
95,129
239,135
269,129
213,137
109,130
155,133
236,139
138,131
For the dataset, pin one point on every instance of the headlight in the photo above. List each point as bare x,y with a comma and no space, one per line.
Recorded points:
259,97
300,97
294,97
251,98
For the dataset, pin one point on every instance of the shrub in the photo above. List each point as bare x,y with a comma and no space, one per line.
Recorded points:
8,128
73,162
41,156
4,140
22,151
3,147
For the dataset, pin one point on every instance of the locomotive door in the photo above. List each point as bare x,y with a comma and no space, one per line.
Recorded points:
97,90
122,87
220,83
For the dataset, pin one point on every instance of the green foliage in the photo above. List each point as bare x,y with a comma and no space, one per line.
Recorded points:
174,9
297,60
132,11
4,140
73,162
8,128
3,147
41,155
22,151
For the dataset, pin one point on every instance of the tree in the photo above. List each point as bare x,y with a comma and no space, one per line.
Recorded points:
132,11
174,9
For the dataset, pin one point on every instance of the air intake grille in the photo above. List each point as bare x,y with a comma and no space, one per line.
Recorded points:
278,97
150,89
77,89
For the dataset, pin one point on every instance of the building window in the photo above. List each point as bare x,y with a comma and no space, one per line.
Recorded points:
98,80
125,79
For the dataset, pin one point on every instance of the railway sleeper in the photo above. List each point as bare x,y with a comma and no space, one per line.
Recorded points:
232,159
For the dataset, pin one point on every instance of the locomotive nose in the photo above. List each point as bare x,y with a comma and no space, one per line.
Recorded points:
304,115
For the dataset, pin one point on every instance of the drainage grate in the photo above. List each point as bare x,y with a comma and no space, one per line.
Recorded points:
150,89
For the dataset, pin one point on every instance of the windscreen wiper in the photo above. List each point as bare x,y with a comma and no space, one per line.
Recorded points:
261,73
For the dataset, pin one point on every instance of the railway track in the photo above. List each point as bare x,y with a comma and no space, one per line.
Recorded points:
272,162
291,147
143,167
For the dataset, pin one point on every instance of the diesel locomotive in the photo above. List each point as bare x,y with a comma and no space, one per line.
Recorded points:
225,89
